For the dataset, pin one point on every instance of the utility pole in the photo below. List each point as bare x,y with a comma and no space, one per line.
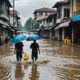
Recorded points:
13,13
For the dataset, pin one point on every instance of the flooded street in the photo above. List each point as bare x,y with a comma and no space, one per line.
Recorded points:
56,62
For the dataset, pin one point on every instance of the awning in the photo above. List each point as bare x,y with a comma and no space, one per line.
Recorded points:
63,25
76,18
3,23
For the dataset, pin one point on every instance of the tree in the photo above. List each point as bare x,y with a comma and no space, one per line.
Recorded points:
28,24
21,28
31,25
36,26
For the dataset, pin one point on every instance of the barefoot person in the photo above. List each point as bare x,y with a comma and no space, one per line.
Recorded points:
35,49
19,51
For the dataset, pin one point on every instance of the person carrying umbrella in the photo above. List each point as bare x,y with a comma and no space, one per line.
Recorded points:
19,51
35,49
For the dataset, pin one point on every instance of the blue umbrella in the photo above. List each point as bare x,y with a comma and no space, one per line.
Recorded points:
76,18
26,35
33,37
18,38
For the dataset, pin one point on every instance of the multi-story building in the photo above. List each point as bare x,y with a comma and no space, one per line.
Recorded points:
75,23
68,15
4,19
51,20
14,20
75,7
63,15
41,16
63,10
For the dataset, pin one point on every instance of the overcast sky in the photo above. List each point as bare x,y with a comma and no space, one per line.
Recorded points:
27,7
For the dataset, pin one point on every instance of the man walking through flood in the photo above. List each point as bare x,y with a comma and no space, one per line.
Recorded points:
35,49
19,51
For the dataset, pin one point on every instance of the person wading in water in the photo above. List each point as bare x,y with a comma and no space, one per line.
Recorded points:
19,51
35,49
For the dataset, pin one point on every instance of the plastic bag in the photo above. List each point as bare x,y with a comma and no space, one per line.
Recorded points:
25,57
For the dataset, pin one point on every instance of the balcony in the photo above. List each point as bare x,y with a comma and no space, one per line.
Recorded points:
3,16
4,23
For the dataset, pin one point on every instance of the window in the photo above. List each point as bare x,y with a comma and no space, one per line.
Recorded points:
66,12
46,14
40,14
59,13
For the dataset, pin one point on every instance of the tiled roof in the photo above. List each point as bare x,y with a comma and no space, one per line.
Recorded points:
45,10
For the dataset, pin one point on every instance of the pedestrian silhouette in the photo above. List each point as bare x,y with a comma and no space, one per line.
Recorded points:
19,51
35,49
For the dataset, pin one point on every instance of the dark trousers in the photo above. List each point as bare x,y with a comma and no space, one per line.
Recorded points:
34,56
19,55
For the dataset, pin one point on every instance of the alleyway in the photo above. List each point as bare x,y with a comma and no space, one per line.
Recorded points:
56,62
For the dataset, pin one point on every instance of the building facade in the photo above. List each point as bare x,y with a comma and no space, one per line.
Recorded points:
41,16
4,19
63,15
14,21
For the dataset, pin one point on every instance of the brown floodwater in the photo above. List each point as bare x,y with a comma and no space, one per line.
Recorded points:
56,62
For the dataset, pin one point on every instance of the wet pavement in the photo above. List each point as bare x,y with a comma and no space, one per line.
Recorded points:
56,62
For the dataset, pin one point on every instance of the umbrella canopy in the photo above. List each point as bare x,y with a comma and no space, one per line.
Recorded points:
26,35
18,38
76,18
33,37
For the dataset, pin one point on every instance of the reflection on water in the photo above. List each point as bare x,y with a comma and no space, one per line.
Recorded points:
19,73
69,72
5,72
56,62
34,73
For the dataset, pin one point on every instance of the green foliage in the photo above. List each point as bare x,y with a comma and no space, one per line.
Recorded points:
20,26
31,24
28,24
36,26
